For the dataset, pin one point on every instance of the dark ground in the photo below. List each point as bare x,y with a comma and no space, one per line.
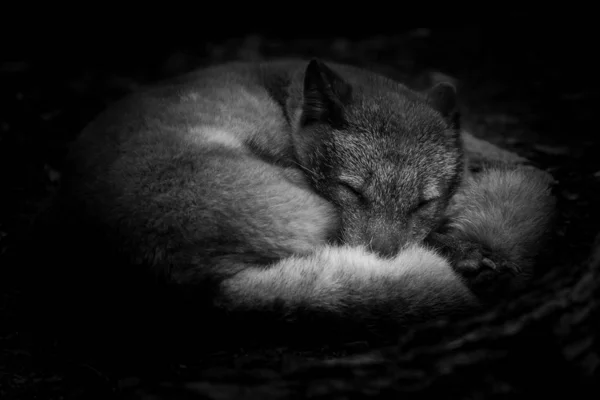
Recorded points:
533,91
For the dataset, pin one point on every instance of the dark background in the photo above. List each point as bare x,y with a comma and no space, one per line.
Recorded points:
527,82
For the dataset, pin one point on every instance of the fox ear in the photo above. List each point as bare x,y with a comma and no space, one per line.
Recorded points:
325,95
442,97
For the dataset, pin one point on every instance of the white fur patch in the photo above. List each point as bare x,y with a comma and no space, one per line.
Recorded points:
215,136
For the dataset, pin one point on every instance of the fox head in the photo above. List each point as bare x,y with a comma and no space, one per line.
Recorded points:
387,157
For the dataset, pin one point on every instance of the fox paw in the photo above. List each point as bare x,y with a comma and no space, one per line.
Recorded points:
486,273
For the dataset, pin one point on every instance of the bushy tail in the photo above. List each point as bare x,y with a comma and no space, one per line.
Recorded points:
350,282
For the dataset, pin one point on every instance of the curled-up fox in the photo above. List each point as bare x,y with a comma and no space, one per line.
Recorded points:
293,185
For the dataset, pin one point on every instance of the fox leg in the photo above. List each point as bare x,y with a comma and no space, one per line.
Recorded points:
497,225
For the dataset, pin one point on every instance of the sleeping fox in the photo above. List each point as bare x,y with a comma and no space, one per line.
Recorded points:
306,186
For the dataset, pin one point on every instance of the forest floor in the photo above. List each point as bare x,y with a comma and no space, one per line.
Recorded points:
526,92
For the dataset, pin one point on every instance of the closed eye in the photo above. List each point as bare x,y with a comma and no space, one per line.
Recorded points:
350,188
351,183
353,190
424,203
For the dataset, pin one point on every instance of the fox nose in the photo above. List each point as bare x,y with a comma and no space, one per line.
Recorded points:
386,246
